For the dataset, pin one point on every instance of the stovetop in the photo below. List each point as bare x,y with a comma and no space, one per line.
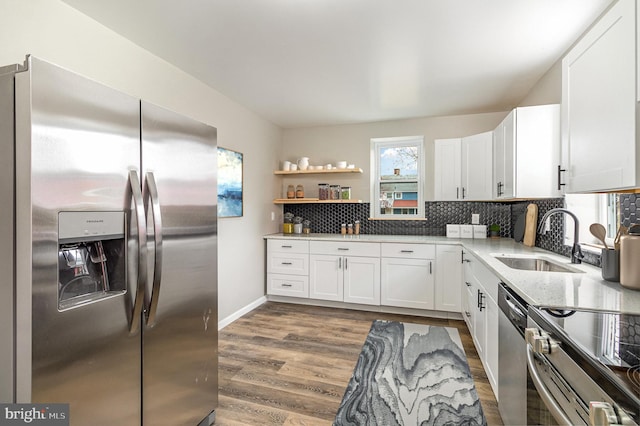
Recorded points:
605,344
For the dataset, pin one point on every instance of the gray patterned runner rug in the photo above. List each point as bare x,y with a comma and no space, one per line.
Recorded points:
411,374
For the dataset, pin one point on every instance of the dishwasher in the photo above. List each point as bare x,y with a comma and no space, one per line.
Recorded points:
512,357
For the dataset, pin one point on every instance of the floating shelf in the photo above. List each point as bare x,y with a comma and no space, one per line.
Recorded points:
313,201
317,172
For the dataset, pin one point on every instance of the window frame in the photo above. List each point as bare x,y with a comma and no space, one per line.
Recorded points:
390,142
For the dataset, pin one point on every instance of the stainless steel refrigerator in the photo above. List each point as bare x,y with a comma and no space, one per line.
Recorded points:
108,252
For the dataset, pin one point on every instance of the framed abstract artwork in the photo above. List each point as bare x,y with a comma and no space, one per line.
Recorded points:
229,183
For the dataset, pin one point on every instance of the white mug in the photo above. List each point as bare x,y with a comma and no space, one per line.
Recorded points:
293,167
286,166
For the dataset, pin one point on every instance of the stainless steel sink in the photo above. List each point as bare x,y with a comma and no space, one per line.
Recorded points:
534,264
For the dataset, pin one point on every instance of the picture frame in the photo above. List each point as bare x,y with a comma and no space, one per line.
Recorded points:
230,183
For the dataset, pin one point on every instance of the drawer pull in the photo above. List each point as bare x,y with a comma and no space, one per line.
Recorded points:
287,285
287,263
406,251
286,246
342,249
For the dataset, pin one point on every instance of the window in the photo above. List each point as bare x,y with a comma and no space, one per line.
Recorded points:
593,208
397,178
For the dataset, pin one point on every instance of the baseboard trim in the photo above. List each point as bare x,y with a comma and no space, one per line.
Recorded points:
237,314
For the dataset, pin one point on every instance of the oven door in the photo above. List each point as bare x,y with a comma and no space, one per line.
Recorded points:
550,399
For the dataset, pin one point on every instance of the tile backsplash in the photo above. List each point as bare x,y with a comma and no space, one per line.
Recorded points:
327,218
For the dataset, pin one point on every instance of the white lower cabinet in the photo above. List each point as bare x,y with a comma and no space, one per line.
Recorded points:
288,267
345,272
448,290
481,314
408,276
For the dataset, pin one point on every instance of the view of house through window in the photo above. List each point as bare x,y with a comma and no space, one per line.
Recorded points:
397,177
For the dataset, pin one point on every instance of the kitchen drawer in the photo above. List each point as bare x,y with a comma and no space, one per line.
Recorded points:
288,263
288,246
409,251
345,248
288,285
487,279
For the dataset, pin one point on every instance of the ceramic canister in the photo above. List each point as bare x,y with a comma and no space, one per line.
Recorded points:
630,259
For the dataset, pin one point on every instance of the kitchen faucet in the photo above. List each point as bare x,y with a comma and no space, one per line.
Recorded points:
576,251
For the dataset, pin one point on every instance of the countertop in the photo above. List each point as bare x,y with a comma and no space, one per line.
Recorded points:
579,290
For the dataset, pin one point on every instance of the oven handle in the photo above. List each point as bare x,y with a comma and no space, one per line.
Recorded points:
544,393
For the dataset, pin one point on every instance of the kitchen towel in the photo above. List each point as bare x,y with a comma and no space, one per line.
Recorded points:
411,374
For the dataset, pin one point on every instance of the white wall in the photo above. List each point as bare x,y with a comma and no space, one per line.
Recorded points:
352,142
53,31
548,90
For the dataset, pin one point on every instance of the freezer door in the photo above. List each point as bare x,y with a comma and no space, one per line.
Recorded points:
76,141
180,371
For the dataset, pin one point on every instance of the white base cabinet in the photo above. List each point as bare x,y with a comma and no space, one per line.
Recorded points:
336,276
288,267
408,279
481,314
448,290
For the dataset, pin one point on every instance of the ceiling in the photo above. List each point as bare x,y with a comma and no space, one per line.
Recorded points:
301,63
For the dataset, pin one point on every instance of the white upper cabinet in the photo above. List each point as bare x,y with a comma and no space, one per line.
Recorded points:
599,96
526,153
447,169
477,170
463,168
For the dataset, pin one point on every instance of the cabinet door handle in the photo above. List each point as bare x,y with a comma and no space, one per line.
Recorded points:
463,191
406,251
480,300
345,263
457,193
287,263
286,285
430,268
560,170
339,263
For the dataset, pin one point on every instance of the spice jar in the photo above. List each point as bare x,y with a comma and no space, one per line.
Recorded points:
306,226
299,191
291,192
350,229
357,227
343,229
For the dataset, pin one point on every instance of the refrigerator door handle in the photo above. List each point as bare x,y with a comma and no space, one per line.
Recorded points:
141,282
151,195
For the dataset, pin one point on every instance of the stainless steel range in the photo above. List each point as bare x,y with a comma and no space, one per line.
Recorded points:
584,367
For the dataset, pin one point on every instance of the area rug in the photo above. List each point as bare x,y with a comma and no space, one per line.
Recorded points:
411,374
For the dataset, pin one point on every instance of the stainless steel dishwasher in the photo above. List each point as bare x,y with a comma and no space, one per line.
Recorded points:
512,357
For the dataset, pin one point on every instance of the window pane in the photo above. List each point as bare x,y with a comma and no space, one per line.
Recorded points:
399,163
398,198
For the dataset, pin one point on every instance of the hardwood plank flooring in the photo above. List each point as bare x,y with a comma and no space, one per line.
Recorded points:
286,364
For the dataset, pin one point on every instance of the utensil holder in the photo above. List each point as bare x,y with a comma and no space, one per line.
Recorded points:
610,262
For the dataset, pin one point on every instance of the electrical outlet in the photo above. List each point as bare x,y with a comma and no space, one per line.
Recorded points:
273,216
475,219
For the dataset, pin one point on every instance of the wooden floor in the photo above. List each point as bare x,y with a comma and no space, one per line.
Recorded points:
285,364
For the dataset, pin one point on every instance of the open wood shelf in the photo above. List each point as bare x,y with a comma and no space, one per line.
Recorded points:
317,172
313,201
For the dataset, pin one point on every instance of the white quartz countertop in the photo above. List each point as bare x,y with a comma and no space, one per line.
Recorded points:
579,290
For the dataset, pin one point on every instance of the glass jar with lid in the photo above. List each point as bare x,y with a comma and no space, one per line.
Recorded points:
323,191
334,192
345,192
